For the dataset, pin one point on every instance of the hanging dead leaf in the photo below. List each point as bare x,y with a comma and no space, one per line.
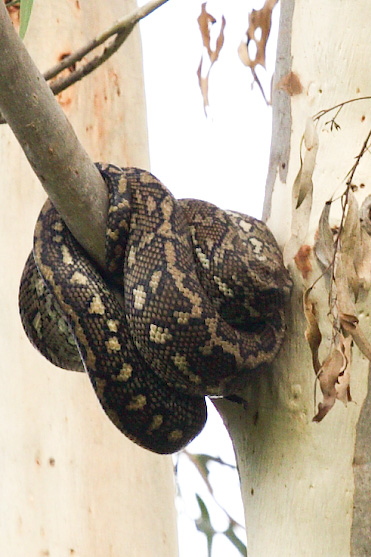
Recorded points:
350,324
343,385
204,85
350,245
362,263
328,377
205,21
347,310
219,43
297,186
350,232
302,192
344,294
324,244
312,332
304,186
365,214
260,22
362,260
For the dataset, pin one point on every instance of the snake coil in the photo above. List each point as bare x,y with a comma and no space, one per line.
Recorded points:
204,294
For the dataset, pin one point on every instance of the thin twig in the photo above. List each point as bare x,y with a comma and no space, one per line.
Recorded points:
65,82
340,105
352,171
124,24
122,29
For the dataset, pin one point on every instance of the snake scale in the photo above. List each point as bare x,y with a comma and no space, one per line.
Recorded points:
204,292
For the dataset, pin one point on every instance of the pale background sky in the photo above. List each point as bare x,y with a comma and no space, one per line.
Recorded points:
223,159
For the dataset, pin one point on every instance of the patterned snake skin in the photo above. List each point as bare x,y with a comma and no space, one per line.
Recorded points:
204,294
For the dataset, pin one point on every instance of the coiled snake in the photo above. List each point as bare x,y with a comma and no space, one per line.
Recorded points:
204,293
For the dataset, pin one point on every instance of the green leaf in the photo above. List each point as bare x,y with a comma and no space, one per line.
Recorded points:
26,7
203,524
231,536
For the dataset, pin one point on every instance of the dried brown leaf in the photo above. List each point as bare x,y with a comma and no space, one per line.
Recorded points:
204,85
312,332
351,325
304,186
302,192
362,262
298,185
348,321
343,385
219,43
324,245
347,310
344,294
205,21
328,376
351,229
365,214
351,243
259,20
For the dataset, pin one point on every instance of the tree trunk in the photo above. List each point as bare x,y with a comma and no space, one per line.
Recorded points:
306,485
72,483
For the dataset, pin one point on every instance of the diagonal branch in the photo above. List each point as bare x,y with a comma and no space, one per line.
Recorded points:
65,82
123,26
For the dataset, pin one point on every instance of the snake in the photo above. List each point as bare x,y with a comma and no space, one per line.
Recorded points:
192,301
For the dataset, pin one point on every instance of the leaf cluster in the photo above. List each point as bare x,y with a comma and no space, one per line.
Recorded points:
344,253
257,34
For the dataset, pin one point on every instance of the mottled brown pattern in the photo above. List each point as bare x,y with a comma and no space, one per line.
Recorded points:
204,293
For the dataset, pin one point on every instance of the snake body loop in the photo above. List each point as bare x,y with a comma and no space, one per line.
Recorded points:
204,294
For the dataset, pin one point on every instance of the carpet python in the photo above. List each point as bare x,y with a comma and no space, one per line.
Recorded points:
204,294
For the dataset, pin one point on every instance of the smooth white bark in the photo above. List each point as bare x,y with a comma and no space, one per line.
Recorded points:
298,479
71,483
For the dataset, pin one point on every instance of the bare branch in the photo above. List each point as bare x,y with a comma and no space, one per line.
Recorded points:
321,113
65,82
122,29
364,149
